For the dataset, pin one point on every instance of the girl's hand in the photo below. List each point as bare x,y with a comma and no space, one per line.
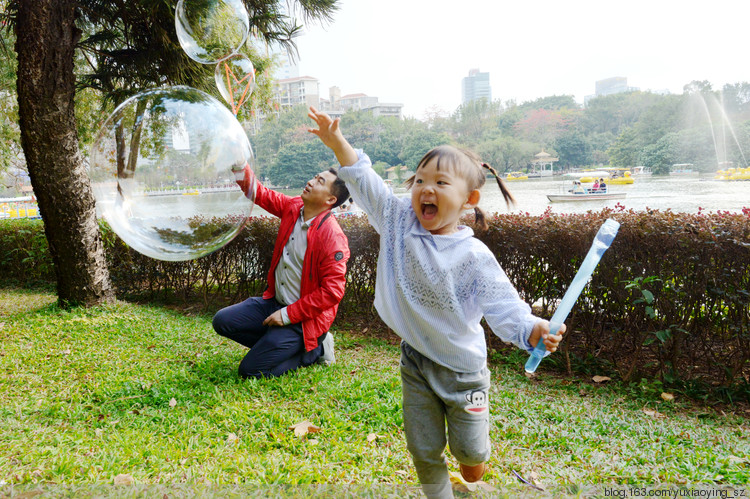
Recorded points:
330,134
541,330
328,129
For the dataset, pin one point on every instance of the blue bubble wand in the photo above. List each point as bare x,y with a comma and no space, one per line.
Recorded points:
602,242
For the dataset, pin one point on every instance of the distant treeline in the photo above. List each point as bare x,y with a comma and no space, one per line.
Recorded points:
701,126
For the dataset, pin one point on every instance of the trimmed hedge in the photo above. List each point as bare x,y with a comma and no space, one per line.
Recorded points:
669,300
24,254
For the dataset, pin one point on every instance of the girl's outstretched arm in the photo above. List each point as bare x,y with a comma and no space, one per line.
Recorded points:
329,132
366,187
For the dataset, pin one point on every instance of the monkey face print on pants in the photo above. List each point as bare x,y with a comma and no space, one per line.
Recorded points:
477,402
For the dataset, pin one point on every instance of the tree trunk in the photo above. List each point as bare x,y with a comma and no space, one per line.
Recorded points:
45,42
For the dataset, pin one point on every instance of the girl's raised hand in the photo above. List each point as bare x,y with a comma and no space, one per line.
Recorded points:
330,134
328,129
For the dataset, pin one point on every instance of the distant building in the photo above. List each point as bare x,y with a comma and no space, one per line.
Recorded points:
476,86
288,68
610,86
357,102
284,64
291,92
387,109
392,174
338,104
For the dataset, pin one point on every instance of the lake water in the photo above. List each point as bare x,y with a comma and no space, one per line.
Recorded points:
685,194
680,194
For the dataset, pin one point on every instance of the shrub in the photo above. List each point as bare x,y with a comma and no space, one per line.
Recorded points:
24,253
693,268
669,300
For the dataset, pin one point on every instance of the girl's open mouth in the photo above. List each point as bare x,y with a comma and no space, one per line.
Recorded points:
429,211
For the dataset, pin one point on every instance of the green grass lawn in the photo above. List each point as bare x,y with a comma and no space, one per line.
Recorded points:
87,395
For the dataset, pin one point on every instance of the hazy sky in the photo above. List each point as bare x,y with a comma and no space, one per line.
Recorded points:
416,52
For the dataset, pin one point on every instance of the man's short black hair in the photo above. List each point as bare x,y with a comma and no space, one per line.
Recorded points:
338,189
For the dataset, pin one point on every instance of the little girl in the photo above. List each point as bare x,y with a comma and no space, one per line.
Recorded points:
434,284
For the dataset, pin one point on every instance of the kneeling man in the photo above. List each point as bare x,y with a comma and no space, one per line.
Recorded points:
288,326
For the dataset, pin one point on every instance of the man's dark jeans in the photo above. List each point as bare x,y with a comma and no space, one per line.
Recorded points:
274,350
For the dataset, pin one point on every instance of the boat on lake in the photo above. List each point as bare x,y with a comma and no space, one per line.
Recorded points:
613,176
683,169
511,176
619,176
579,192
585,196
733,174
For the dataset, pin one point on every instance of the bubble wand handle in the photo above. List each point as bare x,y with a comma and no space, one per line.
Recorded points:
602,242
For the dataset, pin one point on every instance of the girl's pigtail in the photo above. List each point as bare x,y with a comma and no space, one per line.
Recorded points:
509,199
409,182
480,219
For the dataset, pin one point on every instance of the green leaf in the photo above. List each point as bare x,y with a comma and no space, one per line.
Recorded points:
664,335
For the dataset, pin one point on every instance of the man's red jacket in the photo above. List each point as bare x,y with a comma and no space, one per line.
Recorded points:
324,267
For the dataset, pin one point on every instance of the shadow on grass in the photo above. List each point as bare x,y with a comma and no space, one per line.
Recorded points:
17,301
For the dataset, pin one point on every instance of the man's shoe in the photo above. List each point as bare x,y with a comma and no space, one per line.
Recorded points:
328,357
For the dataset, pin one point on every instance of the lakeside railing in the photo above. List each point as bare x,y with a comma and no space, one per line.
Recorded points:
20,207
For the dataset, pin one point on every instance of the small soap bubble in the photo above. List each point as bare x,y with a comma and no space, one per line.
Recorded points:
235,79
211,30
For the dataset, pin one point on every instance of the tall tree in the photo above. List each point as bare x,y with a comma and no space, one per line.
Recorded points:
551,103
133,46
659,156
46,36
505,153
298,162
473,118
417,142
736,99
613,113
573,149
544,126
11,156
277,131
381,137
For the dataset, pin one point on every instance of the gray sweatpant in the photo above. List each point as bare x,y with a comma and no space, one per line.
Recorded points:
432,395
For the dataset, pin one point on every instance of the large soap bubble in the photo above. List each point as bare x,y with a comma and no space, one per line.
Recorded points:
211,30
162,173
